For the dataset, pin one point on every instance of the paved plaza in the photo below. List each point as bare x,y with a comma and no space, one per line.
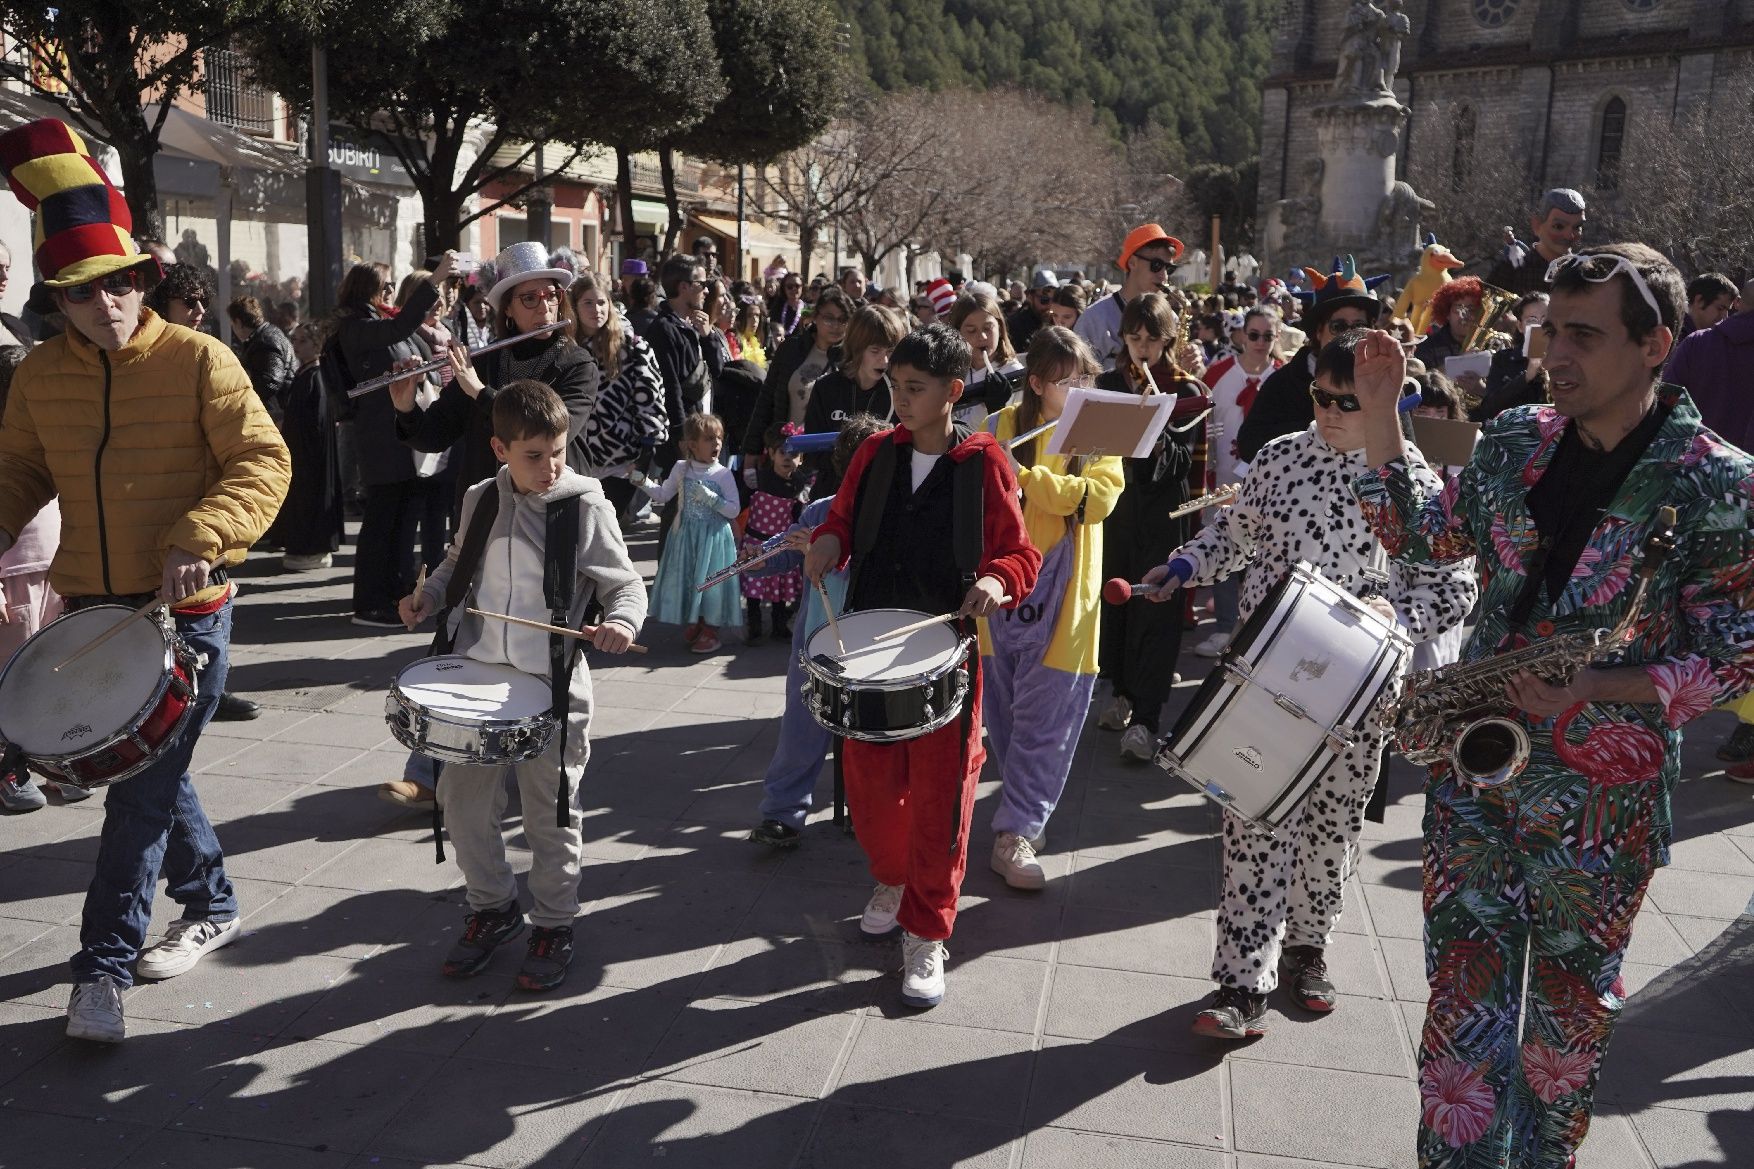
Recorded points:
722,1011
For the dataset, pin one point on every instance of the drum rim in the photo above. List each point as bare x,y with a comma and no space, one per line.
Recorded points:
404,702
960,647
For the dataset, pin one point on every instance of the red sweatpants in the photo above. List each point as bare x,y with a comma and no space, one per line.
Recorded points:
907,801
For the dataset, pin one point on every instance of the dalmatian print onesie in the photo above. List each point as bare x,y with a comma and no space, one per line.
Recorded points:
1296,504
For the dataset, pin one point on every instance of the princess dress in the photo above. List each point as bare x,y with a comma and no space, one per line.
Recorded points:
700,545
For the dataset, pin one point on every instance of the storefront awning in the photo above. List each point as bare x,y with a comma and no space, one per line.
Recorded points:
648,213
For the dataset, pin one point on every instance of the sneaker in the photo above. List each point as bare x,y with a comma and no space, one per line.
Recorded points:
1307,968
1739,747
407,794
71,793
922,971
1140,742
1740,772
21,795
1116,714
546,959
185,943
94,1011
1213,645
379,619
1234,1014
706,643
878,920
294,563
485,931
1014,859
775,834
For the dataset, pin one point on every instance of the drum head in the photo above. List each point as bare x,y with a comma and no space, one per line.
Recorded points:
923,651
49,713
464,688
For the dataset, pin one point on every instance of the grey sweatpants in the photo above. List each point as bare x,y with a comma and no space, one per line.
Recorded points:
474,802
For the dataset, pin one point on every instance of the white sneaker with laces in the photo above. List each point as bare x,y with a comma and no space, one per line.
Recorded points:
1213,645
1139,743
1114,716
922,971
879,917
1014,859
94,1011
187,940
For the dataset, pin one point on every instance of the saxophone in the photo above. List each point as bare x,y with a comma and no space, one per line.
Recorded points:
1457,713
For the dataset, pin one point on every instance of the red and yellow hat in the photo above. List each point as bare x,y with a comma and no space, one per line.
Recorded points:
83,229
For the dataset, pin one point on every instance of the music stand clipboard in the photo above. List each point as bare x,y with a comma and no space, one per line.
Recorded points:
1108,422
1445,442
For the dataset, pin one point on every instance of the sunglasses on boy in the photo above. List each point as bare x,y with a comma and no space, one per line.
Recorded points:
1156,265
1346,403
115,283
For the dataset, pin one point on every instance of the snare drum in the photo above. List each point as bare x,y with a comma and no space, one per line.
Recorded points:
1295,688
885,692
108,716
458,710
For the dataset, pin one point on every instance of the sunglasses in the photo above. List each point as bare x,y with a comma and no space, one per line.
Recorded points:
1592,268
116,284
539,297
1254,336
1156,265
1346,403
195,303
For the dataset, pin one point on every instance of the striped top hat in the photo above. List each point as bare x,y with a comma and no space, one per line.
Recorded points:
83,229
941,294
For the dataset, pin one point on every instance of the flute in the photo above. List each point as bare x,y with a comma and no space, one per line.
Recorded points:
1027,435
439,363
766,550
1220,498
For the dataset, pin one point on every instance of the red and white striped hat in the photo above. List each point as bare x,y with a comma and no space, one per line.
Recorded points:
941,294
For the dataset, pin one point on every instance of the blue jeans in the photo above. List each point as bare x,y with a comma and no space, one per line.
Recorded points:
1225,596
797,759
154,821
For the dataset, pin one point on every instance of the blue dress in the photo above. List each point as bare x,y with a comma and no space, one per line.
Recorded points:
701,544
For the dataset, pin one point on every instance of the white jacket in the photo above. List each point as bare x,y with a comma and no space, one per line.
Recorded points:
510,577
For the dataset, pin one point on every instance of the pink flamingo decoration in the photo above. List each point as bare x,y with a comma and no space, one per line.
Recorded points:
1611,755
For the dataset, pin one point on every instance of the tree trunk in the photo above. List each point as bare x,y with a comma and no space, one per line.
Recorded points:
139,184
624,201
667,168
443,207
806,246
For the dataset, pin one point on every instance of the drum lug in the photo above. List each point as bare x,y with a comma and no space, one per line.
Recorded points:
1237,671
1338,743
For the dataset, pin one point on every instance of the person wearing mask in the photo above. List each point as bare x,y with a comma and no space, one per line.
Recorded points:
681,337
1036,310
1557,223
1148,256
267,354
1515,380
806,355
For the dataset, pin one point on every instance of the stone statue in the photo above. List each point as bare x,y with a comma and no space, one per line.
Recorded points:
1394,29
1360,60
1397,224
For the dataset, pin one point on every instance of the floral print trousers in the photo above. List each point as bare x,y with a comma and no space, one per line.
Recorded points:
1507,882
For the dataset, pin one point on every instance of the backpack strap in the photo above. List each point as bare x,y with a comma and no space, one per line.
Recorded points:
560,547
874,488
443,641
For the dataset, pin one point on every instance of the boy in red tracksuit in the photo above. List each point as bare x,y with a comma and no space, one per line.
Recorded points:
911,801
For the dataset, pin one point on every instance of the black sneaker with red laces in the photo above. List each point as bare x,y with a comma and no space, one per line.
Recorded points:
1308,985
1234,1014
484,931
545,963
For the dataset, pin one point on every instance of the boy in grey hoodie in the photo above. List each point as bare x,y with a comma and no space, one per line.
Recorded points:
529,437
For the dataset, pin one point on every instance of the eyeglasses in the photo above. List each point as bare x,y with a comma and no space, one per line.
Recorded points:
1347,403
1618,264
536,298
387,290
1337,327
195,304
831,319
1254,336
116,284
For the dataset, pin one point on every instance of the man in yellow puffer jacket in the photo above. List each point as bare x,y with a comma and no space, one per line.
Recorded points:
167,468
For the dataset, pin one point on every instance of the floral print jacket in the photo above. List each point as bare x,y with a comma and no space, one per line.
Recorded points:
1695,640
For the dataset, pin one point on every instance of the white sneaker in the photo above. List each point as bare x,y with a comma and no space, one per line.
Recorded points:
94,1011
1212,646
294,563
922,971
879,918
1014,860
1114,716
187,940
1139,743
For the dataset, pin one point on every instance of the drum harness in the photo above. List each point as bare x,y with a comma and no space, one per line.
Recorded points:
560,546
968,507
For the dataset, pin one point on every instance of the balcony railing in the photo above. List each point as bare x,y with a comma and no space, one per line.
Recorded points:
233,97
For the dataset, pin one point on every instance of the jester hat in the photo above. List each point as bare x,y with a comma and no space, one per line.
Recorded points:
82,227
1340,288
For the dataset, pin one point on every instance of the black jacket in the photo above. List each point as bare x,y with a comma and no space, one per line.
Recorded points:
564,367
1283,405
1021,325
371,344
834,397
269,361
774,403
688,367
1506,386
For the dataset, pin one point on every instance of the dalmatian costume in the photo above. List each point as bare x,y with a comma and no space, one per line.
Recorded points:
1296,504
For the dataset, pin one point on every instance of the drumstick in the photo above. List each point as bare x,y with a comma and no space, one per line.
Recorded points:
150,607
916,626
584,634
833,623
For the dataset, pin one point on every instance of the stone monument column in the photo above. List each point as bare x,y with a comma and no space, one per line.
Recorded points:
1358,136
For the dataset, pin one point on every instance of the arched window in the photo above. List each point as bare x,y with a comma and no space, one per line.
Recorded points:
1609,140
1461,159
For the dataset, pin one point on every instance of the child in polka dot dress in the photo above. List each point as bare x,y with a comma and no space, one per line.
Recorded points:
781,485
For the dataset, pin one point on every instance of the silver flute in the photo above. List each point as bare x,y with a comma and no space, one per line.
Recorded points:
439,363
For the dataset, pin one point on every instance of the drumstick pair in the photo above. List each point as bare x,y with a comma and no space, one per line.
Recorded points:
584,634
145,610
927,623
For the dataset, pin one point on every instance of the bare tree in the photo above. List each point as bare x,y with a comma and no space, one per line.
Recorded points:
1477,187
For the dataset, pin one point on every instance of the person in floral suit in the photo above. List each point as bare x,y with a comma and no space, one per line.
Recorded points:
1553,865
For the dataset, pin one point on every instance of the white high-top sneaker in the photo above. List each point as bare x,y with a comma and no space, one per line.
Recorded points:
879,917
94,1011
922,971
1014,859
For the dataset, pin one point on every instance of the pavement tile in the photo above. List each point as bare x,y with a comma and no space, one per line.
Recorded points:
27,1034
1394,913
1696,933
1657,938
990,992
1711,854
496,1114
807,974
1684,1137
1144,883
1614,1143
334,729
386,1008
62,831
272,721
852,1136
731,1043
1362,1035
1353,966
45,1141
1132,940
826,853
1126,1008
172,1149
598,1034
45,890
36,973
1406,961
250,991
388,866
1646,1066
796,909
1701,894
1006,922
1056,1148
1180,833
694,1127
938,1070
1287,1110
1132,1092
16,932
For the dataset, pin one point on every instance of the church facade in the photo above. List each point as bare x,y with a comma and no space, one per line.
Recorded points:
1506,98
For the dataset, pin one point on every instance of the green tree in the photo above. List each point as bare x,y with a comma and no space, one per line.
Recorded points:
99,59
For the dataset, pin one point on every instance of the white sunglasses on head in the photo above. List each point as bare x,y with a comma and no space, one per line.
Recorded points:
1583,262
